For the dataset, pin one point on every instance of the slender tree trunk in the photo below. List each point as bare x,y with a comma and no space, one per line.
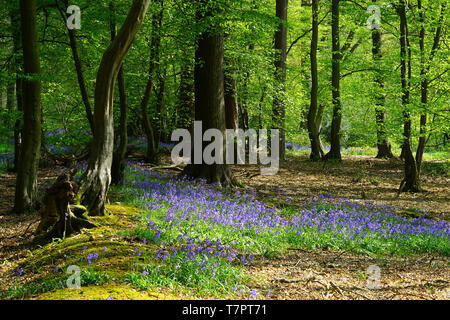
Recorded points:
243,118
161,75
97,180
152,143
424,69
186,113
119,156
26,184
231,101
160,134
243,106
209,98
10,95
279,109
410,182
335,150
313,129
78,67
232,105
383,144
18,64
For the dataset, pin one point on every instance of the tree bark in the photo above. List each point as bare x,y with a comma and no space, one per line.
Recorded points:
383,144
186,113
98,177
119,156
78,67
26,184
335,150
312,123
231,101
410,182
17,63
56,218
424,69
155,42
279,109
160,134
209,98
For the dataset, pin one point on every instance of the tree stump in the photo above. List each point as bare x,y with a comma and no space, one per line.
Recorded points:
57,218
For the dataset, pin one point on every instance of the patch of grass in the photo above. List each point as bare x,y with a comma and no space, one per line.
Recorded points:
437,168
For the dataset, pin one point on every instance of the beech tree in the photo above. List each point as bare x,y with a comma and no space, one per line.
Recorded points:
154,46
410,182
97,179
335,148
26,184
209,93
119,156
383,144
314,118
78,64
279,109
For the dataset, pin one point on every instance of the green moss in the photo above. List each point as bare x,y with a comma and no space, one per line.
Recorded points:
105,292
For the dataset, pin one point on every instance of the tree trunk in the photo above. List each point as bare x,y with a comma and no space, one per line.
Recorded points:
56,217
209,100
78,67
186,113
119,156
279,109
152,145
98,177
17,63
424,69
410,182
13,71
161,123
232,107
335,150
231,102
383,144
26,184
160,134
312,125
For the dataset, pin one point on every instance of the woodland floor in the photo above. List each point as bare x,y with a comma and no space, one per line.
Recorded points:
302,274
